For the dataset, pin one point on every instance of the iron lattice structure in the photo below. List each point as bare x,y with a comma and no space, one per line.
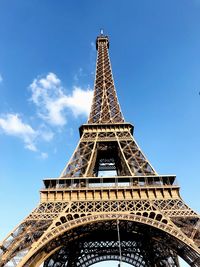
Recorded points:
108,181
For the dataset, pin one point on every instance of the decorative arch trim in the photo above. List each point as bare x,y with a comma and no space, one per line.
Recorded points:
59,230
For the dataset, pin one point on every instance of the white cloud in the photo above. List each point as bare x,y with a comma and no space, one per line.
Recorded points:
49,97
80,101
12,124
44,133
1,78
53,105
31,147
44,155
93,46
79,75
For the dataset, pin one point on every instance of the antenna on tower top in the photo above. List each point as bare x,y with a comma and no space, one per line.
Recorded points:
101,31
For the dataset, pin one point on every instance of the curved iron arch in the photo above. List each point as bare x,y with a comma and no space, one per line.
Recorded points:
101,246
180,243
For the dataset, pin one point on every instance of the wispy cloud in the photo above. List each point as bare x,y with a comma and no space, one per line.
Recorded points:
79,75
52,102
92,58
1,78
53,106
44,155
93,46
12,124
79,101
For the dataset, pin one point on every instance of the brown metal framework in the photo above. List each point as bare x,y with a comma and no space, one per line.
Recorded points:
107,180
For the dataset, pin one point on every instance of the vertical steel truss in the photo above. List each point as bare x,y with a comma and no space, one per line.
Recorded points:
111,141
105,106
75,222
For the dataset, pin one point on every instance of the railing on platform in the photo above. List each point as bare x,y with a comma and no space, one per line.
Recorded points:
118,181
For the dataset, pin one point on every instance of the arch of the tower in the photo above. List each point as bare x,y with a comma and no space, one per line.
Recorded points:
104,247
90,251
93,238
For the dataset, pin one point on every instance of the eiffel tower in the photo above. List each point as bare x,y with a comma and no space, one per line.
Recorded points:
109,203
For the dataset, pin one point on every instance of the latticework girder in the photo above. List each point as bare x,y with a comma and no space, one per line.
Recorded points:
117,144
49,219
105,106
92,251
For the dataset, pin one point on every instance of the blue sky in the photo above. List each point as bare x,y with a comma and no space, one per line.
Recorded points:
47,64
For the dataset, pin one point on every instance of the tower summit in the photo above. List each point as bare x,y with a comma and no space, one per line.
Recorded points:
105,105
107,187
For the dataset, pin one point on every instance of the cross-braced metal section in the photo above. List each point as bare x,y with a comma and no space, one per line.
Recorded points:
141,246
48,219
91,252
105,106
86,253
107,148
